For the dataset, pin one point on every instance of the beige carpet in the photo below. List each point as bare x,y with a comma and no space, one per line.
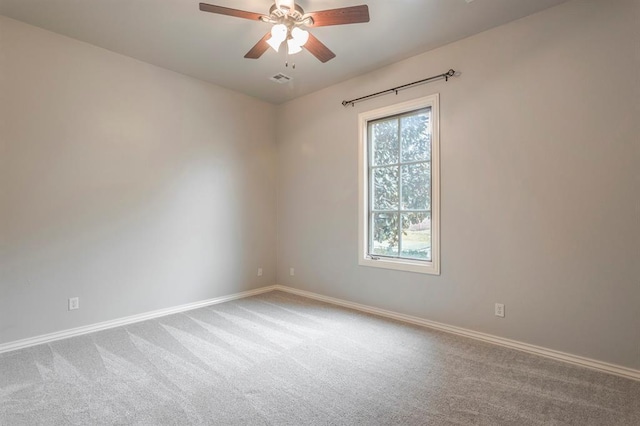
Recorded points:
281,359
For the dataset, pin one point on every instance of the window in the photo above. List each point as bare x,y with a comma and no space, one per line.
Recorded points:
399,187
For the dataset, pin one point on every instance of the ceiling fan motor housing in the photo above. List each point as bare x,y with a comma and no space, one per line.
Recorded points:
289,17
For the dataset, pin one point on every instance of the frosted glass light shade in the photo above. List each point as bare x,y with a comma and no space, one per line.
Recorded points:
293,46
275,44
278,35
300,36
279,32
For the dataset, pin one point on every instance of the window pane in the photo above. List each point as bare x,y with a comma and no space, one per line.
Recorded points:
416,137
398,175
416,236
385,234
385,147
385,188
416,186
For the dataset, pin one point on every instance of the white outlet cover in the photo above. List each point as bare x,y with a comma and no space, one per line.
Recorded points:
292,271
499,310
259,272
74,303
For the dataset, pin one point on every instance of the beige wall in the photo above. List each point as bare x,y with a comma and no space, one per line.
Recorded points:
130,186
540,185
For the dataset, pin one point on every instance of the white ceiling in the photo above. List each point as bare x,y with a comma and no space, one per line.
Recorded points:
175,34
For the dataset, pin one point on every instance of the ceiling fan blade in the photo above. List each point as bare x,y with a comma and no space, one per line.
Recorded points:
319,50
259,48
230,12
344,15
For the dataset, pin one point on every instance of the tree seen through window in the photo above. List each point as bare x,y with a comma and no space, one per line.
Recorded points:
400,186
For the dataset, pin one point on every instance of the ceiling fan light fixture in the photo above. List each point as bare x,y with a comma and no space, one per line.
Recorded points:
278,35
293,47
279,32
275,44
300,36
287,18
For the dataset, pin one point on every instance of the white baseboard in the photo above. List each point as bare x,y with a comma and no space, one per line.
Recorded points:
59,335
513,344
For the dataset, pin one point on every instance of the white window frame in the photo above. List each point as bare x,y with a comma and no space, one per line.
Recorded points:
401,264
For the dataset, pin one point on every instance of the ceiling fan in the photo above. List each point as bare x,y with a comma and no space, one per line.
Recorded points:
289,21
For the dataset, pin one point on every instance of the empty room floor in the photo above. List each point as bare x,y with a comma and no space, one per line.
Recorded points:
278,359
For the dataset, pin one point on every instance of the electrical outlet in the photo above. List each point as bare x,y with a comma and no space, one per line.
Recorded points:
74,303
500,310
292,271
259,272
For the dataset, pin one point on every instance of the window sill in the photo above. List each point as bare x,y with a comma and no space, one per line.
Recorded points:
431,268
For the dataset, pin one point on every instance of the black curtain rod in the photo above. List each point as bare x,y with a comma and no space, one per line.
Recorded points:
445,75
